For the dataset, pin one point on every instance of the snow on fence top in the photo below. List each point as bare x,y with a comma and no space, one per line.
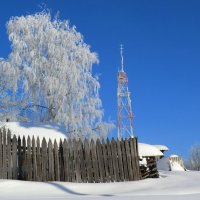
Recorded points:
146,150
41,130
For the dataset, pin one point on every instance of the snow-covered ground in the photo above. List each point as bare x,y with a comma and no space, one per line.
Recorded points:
171,186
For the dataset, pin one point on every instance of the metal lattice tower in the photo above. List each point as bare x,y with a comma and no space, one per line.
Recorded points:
125,117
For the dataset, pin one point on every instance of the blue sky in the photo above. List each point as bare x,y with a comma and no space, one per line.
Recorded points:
161,57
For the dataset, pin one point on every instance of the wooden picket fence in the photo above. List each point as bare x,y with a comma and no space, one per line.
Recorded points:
70,160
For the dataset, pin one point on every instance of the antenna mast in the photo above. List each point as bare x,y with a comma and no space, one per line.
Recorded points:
124,115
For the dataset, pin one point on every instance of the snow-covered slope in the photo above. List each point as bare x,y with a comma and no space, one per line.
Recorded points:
46,130
172,186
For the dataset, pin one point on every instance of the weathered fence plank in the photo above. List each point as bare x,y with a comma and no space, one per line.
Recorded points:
44,160
19,149
14,157
128,155
9,155
82,161
88,162
57,166
77,161
24,164
100,161
29,160
4,159
50,162
105,161
34,160
66,160
39,160
61,161
94,162
119,152
1,155
110,162
124,160
115,160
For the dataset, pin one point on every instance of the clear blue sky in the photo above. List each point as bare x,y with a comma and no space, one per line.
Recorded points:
161,57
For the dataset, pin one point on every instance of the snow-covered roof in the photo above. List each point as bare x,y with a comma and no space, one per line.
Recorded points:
161,147
148,150
46,130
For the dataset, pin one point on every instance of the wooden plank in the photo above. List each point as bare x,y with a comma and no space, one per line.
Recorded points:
34,160
128,154
9,155
29,160
105,161
70,161
4,155
66,160
115,161
19,149
61,161
56,158
88,162
24,164
14,158
100,161
72,158
1,155
121,170
124,160
94,161
50,162
110,162
76,161
137,158
39,160
82,161
44,160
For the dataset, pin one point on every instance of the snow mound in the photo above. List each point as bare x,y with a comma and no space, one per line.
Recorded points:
169,164
53,131
146,150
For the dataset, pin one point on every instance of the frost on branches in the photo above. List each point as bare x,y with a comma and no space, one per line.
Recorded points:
53,67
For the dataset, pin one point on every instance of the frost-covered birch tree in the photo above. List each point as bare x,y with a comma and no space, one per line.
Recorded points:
8,87
55,74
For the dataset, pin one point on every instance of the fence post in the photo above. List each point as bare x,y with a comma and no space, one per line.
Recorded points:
39,160
34,160
121,170
100,161
124,160
115,160
29,160
4,155
1,156
88,162
82,161
44,160
105,161
56,157
110,163
66,160
19,148
50,162
14,157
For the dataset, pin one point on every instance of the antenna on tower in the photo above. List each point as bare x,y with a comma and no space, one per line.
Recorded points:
124,115
122,59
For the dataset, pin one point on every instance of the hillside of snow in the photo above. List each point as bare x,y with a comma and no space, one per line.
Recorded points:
42,130
171,186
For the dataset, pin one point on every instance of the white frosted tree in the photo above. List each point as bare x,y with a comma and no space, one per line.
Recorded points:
55,81
8,88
